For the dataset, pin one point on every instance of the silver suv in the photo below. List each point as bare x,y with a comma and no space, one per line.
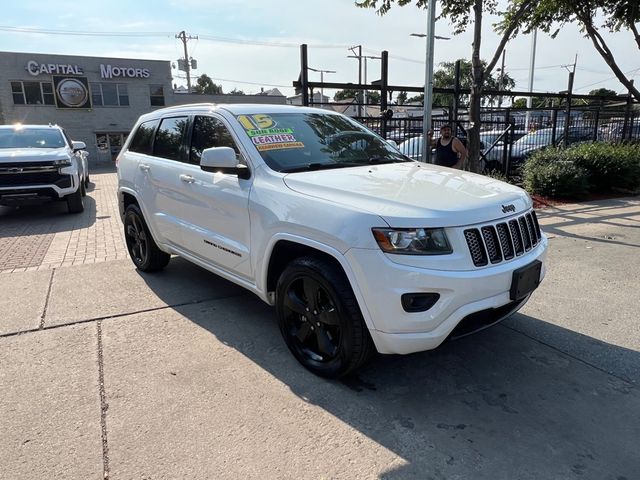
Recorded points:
40,162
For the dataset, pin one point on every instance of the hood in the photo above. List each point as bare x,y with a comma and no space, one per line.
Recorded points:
413,194
32,154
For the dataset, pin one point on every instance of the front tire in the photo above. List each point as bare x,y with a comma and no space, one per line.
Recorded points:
143,250
75,203
319,318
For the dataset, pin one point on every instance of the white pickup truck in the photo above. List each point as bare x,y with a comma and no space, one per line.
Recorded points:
358,247
40,162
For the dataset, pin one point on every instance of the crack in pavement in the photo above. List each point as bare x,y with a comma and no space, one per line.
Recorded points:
46,301
103,403
117,315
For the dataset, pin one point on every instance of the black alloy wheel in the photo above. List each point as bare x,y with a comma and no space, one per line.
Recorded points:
142,248
320,319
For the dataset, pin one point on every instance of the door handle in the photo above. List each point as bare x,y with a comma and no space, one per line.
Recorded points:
144,167
187,178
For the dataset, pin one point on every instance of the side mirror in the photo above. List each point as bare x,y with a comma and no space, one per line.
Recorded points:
223,159
78,146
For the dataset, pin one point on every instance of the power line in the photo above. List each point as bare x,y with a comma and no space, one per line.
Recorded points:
607,79
212,38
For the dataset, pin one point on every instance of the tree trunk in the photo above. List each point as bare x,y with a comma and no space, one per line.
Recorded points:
477,74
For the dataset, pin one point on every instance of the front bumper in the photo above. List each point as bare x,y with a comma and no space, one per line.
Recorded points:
382,283
17,188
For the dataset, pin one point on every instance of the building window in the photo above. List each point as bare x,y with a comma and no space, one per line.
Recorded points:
32,93
156,95
109,95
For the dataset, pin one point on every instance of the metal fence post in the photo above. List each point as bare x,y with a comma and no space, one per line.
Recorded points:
554,125
597,121
567,120
508,140
304,75
384,74
627,114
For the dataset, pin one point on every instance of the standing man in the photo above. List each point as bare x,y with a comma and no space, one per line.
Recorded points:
450,151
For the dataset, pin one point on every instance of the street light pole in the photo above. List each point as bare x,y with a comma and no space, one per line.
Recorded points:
322,72
428,80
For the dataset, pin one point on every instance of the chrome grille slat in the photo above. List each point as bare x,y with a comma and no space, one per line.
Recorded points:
526,237
491,243
514,228
505,241
500,242
476,247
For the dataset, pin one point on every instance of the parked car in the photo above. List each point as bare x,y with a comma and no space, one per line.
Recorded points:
39,163
358,248
522,149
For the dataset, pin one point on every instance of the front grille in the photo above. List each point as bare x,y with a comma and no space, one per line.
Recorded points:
27,165
503,241
35,178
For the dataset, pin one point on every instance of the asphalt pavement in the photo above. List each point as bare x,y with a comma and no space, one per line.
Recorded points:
106,372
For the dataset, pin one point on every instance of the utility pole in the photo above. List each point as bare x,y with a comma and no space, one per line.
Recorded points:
359,57
187,64
532,66
567,120
501,84
428,80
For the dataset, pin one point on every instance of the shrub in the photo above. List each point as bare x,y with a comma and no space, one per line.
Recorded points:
591,167
611,166
544,174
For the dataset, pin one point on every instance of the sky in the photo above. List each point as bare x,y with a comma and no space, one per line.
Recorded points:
249,45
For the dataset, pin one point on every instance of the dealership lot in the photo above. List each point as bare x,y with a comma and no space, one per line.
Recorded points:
109,373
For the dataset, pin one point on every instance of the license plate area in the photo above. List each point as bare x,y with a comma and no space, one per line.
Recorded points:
525,280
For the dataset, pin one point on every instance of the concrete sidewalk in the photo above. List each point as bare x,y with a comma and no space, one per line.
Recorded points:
109,373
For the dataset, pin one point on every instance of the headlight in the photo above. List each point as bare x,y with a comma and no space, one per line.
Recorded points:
62,163
413,241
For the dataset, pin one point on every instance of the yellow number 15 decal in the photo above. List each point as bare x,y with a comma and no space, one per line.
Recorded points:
258,121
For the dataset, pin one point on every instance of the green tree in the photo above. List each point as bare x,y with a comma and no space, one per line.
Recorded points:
205,86
619,15
235,91
401,99
464,14
537,102
445,77
373,97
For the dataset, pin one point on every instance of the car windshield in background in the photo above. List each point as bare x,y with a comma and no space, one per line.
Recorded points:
30,138
539,137
296,142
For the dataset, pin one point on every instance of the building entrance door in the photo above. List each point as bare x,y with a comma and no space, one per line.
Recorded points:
109,145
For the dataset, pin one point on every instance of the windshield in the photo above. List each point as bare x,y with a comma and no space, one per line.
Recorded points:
293,142
539,137
31,138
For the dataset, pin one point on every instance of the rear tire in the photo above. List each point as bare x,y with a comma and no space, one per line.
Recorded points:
143,250
75,204
320,319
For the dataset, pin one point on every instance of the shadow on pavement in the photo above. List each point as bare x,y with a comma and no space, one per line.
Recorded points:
44,218
498,404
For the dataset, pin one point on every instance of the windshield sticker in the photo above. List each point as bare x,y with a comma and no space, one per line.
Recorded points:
259,121
277,141
279,146
269,131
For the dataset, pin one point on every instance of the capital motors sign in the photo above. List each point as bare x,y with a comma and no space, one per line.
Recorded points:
71,92
109,71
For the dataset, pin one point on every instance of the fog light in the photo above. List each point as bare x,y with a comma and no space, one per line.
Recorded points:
419,302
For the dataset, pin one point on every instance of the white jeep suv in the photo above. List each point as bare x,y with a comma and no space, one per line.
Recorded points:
40,162
358,247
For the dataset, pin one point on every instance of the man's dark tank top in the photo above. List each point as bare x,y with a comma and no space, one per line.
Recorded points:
445,156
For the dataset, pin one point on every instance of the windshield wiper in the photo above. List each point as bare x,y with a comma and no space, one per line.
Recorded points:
380,160
319,166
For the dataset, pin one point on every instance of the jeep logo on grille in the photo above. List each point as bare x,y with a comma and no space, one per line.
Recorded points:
14,170
508,208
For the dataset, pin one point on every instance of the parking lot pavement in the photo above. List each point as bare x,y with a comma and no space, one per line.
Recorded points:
42,237
109,373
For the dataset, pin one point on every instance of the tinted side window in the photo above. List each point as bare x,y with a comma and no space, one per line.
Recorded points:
169,137
209,132
141,141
